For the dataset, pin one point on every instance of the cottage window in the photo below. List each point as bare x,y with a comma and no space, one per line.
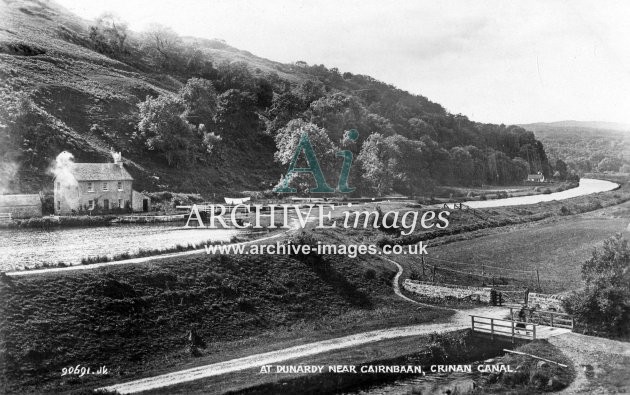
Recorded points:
120,203
105,187
58,204
90,187
90,204
120,188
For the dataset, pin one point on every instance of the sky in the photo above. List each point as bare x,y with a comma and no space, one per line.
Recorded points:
493,61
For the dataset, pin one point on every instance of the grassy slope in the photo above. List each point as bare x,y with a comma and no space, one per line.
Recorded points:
136,321
77,87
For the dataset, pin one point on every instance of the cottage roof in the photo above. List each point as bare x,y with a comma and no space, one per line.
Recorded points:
100,172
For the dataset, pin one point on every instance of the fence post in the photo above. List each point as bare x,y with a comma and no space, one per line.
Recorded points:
422,257
551,314
472,322
492,328
534,325
512,328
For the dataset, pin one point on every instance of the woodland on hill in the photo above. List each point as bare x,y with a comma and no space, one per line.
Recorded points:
196,115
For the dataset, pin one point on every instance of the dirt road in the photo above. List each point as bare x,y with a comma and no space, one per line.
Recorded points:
460,320
602,365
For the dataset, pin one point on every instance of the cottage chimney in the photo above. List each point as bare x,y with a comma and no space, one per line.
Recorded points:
117,156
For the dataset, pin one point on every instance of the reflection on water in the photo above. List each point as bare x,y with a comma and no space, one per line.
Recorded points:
432,383
586,187
28,247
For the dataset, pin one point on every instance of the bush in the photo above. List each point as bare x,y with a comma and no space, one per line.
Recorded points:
383,241
604,304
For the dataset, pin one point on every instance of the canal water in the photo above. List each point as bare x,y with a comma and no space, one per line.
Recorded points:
30,247
587,186
21,248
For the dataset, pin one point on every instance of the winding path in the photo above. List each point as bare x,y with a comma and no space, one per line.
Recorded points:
460,320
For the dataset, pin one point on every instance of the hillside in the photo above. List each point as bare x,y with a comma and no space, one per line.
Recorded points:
586,146
221,119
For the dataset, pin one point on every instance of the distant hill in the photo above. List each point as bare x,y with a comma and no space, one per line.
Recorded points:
220,117
597,125
586,146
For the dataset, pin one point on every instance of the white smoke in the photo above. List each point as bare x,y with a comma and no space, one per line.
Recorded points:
62,168
8,172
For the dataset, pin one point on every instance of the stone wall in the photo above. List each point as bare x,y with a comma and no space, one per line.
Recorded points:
21,206
545,302
137,200
446,290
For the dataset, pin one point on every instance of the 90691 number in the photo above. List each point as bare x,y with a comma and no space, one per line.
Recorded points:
82,370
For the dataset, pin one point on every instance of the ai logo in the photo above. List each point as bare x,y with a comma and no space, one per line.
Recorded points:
314,168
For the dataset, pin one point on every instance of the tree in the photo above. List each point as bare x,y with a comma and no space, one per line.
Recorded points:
462,165
235,76
604,303
285,107
609,164
287,141
200,101
109,35
236,114
561,168
163,129
379,158
163,46
419,128
337,113
210,140
521,168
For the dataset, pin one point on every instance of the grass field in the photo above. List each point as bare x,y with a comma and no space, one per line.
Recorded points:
556,248
135,319
508,243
